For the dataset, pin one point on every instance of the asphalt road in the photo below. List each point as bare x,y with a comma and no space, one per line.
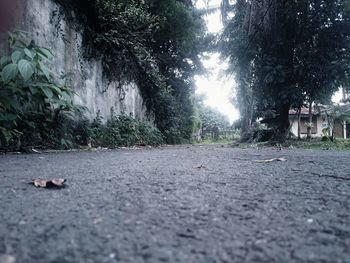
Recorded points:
176,204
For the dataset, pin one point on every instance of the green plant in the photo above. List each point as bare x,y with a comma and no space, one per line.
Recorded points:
123,130
32,103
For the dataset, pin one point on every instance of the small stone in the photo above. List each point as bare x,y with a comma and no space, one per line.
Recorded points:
112,255
7,259
310,220
98,221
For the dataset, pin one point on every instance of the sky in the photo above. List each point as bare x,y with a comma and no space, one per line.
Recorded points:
218,89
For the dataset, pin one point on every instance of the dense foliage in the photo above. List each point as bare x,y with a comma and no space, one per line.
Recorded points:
210,117
154,43
32,104
209,121
123,130
285,54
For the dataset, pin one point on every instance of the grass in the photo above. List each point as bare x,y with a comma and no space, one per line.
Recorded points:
316,144
337,144
210,141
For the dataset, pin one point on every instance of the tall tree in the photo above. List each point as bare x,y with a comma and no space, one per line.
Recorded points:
294,52
177,47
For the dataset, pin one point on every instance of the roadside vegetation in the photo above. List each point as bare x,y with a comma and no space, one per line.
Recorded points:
123,130
159,45
337,144
312,144
211,126
34,104
155,44
37,109
284,55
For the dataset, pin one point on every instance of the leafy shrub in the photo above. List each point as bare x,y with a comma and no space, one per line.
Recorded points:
33,105
123,130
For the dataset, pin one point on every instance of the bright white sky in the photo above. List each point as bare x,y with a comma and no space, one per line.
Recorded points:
337,96
216,88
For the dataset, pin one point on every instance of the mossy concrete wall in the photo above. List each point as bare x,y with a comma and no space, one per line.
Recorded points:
48,27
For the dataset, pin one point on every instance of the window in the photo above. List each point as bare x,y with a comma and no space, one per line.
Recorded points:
304,120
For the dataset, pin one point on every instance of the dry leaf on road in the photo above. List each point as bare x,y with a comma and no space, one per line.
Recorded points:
56,182
40,182
272,160
201,166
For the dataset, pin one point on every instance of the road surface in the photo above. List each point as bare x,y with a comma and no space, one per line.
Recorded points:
176,204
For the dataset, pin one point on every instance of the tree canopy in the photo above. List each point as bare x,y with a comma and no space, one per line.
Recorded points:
209,117
283,54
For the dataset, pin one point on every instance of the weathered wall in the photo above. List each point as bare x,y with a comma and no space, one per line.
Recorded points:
321,123
39,18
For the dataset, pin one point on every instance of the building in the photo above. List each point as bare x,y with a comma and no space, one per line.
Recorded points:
321,121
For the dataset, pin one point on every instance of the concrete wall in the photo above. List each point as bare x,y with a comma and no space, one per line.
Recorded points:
39,18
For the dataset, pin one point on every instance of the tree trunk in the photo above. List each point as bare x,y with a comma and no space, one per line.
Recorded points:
282,125
247,106
299,123
309,127
246,126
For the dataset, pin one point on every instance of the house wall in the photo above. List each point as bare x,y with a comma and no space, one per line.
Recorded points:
321,123
339,130
39,18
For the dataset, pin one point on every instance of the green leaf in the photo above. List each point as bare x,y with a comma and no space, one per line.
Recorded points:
45,70
8,117
9,72
16,56
45,52
65,96
16,89
26,69
48,92
34,90
29,53
6,134
56,89
4,60
31,124
10,104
